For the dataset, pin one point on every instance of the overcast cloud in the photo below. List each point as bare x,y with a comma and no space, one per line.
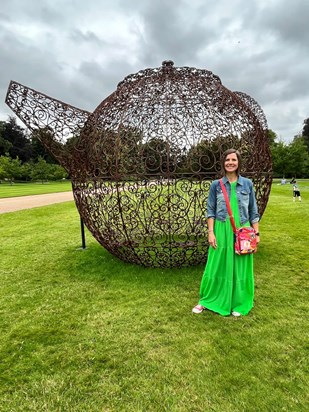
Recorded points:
78,51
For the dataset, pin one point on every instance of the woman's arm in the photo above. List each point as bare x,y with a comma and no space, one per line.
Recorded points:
211,214
254,216
211,236
256,228
212,201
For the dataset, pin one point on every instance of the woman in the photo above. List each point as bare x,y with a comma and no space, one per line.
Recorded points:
227,285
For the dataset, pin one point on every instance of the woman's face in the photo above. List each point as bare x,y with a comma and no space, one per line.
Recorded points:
231,163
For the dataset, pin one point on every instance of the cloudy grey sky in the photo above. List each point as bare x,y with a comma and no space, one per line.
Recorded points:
78,51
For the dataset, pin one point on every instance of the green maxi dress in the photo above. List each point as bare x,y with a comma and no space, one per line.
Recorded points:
228,282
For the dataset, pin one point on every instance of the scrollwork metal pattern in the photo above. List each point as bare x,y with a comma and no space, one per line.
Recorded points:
142,163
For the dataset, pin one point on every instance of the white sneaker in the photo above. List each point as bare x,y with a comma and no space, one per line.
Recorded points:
198,309
236,314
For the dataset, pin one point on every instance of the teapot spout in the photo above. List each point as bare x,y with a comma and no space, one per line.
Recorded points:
54,122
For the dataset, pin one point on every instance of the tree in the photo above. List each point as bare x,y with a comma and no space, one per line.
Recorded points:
10,168
5,145
38,150
41,170
26,169
298,157
105,152
280,158
290,160
204,158
14,141
57,172
2,171
272,137
159,156
305,133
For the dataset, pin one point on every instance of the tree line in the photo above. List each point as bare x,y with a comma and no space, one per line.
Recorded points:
23,157
292,159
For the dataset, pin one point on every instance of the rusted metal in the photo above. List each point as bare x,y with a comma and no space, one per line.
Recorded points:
142,163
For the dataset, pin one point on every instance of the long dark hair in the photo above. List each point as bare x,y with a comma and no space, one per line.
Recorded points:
224,156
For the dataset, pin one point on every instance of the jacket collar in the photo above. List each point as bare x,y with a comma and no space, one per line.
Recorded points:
240,180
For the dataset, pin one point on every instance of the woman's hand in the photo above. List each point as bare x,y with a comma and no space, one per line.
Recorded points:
212,240
257,234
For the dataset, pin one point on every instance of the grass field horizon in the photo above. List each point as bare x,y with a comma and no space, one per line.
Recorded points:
84,331
33,188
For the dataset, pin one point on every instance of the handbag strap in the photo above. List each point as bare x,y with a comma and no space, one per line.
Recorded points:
228,205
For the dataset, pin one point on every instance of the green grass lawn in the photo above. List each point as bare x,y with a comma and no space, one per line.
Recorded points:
83,331
33,188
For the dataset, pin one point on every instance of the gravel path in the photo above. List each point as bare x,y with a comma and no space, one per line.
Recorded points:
12,204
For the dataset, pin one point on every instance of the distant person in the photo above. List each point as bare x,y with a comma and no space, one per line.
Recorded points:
296,192
283,181
227,286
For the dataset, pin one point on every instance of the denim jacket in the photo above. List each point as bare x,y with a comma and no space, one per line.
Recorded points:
216,207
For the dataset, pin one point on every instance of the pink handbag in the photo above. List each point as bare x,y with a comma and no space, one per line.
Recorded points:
245,237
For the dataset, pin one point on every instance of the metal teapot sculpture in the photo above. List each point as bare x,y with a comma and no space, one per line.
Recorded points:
142,163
